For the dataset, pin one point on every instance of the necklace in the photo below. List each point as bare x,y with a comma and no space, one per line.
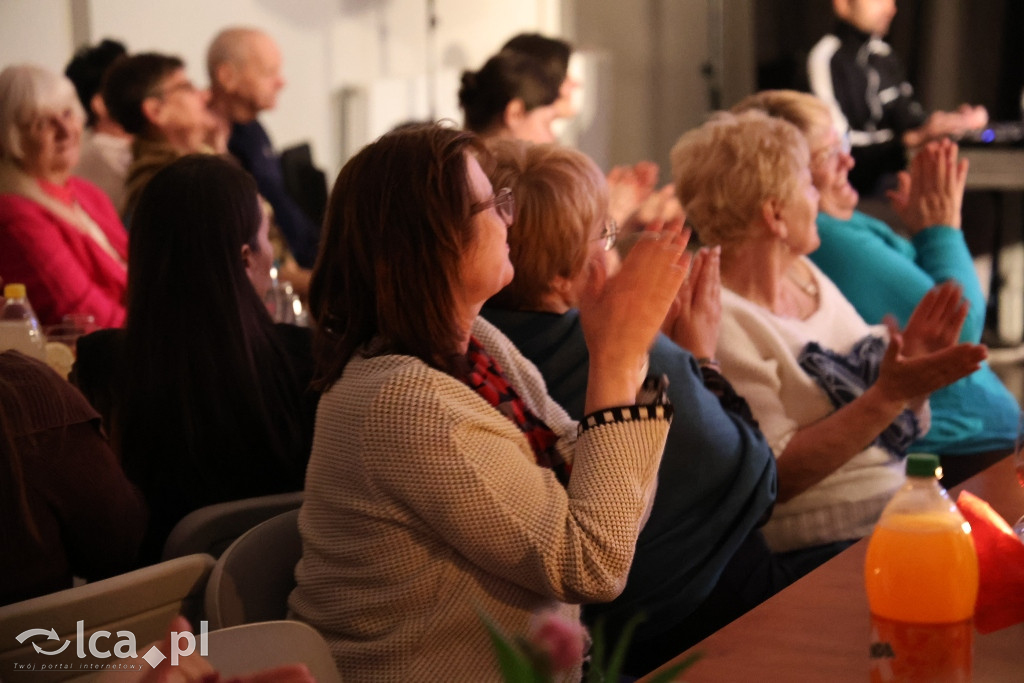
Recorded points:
810,288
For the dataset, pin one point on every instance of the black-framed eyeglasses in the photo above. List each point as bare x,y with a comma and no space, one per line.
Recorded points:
609,235
504,204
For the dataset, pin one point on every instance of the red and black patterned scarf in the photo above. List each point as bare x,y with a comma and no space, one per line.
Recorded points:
486,378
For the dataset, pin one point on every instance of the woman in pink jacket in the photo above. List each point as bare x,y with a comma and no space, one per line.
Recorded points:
60,235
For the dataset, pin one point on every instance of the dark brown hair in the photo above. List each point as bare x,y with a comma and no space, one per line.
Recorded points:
129,81
551,53
484,94
211,407
397,225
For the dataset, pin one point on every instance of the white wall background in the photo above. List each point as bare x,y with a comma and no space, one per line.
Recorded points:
330,47
356,67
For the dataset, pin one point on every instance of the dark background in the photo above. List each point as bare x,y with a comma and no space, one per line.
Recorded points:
985,38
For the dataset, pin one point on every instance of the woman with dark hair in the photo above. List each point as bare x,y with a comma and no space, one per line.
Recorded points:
445,487
552,54
106,147
66,508
510,96
204,396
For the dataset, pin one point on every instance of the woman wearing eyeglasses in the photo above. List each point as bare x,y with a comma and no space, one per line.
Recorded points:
700,559
59,234
974,420
445,487
839,401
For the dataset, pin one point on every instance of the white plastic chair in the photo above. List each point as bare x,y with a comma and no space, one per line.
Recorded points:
213,528
268,644
143,602
253,578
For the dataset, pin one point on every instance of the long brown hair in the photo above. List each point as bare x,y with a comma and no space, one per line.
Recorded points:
208,389
396,228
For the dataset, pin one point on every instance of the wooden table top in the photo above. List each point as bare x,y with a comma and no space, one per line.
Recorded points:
817,629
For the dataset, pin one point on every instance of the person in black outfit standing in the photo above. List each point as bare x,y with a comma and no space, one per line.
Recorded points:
863,82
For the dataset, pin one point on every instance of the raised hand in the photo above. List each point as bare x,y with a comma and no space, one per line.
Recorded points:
907,379
932,192
926,357
694,318
936,321
629,187
621,314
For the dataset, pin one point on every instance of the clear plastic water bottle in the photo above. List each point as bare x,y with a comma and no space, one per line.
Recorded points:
19,327
283,304
921,577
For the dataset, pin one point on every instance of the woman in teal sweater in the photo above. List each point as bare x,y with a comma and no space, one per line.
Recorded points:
974,420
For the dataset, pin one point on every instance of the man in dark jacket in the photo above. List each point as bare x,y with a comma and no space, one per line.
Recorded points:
862,80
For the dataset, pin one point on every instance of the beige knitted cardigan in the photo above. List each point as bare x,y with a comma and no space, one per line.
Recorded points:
424,510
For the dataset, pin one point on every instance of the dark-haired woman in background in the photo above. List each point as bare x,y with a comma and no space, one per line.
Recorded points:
553,56
510,96
445,486
204,396
106,147
66,508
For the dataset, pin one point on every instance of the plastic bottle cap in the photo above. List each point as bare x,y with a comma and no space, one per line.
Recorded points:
15,290
922,465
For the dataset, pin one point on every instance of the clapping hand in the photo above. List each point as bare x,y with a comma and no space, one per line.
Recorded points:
621,314
629,187
932,192
925,356
695,315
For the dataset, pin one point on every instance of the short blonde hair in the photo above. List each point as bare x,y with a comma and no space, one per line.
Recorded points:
28,91
560,195
725,170
803,110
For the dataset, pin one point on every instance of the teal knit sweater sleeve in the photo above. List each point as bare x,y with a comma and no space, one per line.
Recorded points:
882,273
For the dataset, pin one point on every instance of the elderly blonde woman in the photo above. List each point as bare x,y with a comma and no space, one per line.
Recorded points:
974,420
832,397
700,560
60,235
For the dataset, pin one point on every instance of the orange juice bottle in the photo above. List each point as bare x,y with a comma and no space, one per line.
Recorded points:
921,577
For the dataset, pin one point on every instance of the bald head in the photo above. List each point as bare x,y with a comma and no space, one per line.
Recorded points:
245,71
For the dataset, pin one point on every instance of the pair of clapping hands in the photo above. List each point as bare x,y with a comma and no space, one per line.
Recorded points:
633,200
663,286
931,191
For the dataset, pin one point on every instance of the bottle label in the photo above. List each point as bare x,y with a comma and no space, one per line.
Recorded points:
940,653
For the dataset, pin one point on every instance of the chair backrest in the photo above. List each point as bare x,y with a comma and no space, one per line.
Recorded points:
305,183
252,647
253,578
213,528
142,602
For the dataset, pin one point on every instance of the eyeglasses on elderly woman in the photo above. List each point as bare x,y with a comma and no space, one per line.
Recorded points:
609,235
504,205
